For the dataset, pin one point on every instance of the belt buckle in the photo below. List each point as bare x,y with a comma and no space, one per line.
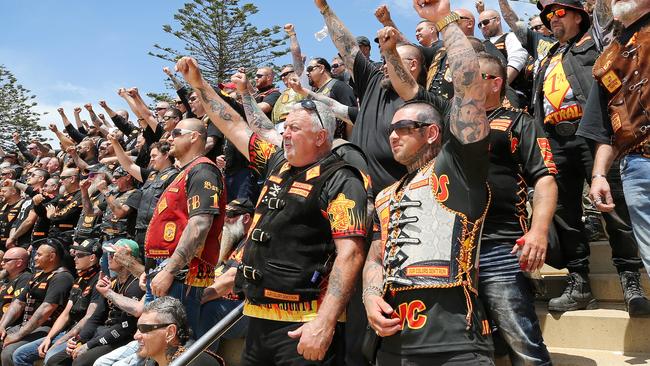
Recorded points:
260,236
251,273
566,128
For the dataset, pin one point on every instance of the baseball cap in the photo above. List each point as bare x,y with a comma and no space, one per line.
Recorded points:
574,5
91,246
135,248
241,206
363,41
119,172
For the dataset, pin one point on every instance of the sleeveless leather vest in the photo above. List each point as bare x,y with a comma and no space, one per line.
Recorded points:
170,219
8,214
289,248
151,190
439,75
426,244
623,72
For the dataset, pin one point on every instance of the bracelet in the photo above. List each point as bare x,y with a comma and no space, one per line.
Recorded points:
370,290
598,176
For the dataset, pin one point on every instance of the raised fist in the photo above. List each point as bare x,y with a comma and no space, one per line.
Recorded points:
53,128
88,106
320,4
133,92
102,103
167,71
121,92
60,110
241,81
432,10
102,186
190,70
85,184
289,29
382,14
294,83
77,110
16,137
480,6
387,38
72,151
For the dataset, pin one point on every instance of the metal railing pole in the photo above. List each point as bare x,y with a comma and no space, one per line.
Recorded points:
208,338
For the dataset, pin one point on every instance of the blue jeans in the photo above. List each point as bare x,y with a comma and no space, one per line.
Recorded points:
27,354
635,174
510,305
212,312
190,296
123,356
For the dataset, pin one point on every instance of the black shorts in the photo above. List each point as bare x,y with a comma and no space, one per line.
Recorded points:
460,358
267,344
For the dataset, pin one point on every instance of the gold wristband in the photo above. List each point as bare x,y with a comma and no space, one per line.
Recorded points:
451,18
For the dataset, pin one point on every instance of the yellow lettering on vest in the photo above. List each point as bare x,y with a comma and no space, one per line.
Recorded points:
195,202
610,81
281,296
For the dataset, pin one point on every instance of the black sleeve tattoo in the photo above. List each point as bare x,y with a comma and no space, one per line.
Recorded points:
516,25
192,238
131,306
259,122
216,106
40,316
342,37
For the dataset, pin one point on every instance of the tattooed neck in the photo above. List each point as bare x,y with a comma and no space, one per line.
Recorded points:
423,156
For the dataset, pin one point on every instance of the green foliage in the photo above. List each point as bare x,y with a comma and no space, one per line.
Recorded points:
16,109
217,33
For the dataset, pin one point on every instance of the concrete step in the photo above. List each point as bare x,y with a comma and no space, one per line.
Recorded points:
600,258
608,328
588,357
605,287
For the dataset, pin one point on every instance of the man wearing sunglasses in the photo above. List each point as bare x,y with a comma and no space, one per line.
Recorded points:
14,264
417,279
267,94
563,83
616,120
287,99
309,196
82,303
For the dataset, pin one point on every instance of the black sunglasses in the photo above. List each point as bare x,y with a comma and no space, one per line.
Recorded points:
537,27
146,328
234,213
485,22
336,66
406,124
311,68
309,105
81,255
285,74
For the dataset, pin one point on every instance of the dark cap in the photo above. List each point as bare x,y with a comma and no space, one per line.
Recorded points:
10,154
241,206
363,41
574,5
90,246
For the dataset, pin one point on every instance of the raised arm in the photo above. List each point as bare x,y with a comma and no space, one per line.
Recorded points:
468,121
64,140
111,113
340,110
77,117
402,80
125,161
517,26
172,77
143,110
227,120
341,36
383,16
257,120
296,53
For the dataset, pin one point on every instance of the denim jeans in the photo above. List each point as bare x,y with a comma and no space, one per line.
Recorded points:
212,312
27,354
635,174
510,305
123,356
190,296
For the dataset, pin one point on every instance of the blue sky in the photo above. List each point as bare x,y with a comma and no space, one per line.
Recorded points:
72,52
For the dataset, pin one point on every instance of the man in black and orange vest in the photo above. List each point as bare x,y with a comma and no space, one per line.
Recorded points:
182,242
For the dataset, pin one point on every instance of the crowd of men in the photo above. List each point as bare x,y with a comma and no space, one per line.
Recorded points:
386,212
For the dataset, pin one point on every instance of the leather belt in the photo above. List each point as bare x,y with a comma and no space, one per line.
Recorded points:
566,128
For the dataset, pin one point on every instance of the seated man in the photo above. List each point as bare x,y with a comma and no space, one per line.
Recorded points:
83,302
16,276
40,303
118,326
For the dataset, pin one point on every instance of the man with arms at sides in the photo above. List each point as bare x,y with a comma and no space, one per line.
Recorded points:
16,276
420,276
309,196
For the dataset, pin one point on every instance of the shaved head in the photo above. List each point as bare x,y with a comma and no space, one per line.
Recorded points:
467,21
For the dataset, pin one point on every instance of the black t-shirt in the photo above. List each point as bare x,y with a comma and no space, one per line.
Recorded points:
68,209
204,187
217,148
52,288
84,293
11,289
520,154
25,209
342,93
269,98
370,133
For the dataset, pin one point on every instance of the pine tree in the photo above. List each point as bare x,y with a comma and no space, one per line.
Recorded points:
16,109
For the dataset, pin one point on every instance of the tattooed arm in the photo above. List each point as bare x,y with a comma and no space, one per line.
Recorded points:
227,120
192,238
468,121
377,309
316,335
383,16
16,308
131,306
257,119
340,110
517,26
341,36
40,316
296,53
401,78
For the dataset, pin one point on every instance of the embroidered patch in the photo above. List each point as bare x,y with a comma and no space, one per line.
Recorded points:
313,173
162,205
158,252
174,189
339,212
281,296
420,183
299,192
616,121
275,179
284,168
89,219
514,143
500,124
169,232
427,271
610,81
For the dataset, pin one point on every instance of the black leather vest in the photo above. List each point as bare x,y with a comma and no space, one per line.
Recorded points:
151,190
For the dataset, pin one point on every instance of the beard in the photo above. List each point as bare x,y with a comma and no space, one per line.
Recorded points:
230,236
626,10
386,84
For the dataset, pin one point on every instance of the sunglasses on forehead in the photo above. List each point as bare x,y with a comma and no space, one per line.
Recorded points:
309,105
285,74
